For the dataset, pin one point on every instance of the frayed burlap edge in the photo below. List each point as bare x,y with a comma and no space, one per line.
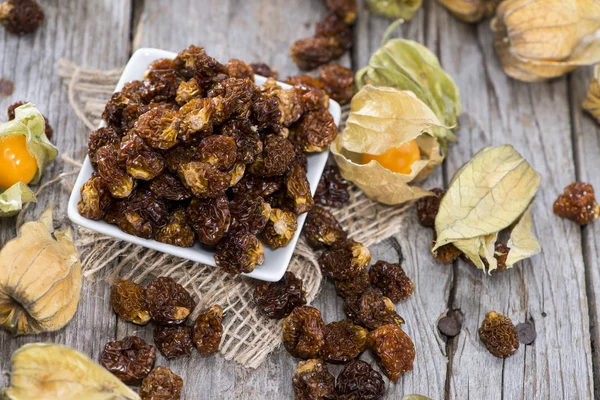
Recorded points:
248,337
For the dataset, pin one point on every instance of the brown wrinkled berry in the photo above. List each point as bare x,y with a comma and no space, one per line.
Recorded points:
249,214
313,381
248,143
187,91
337,31
280,228
95,198
499,335
195,120
578,203
210,218
130,359
447,253
141,214
394,350
344,260
239,69
391,280
338,82
101,137
179,155
239,252
289,101
278,299
428,207
129,302
344,9
315,131
218,150
358,380
266,115
118,182
371,310
354,286
141,161
322,228
344,341
265,70
303,332
297,189
168,187
252,186
21,16
275,158
238,96
194,62
161,384
208,330
173,341
312,99
310,53
158,128
332,190
203,179
177,231
169,303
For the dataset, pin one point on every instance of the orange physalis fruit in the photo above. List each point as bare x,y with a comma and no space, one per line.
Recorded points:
16,163
397,159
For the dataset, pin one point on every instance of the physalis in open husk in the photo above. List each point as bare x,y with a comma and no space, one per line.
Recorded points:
388,143
471,10
395,9
542,39
40,279
492,193
408,65
24,153
52,372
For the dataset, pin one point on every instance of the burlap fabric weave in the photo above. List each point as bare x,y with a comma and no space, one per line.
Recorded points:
248,336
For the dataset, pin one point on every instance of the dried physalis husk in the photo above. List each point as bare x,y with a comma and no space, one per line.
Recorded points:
395,9
492,192
53,372
471,10
592,101
381,119
40,279
542,39
415,397
408,65
30,123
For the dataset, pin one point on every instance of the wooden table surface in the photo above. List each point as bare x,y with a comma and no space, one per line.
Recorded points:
557,290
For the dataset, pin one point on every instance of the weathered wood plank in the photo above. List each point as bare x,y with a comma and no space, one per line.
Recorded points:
586,134
432,281
93,33
548,289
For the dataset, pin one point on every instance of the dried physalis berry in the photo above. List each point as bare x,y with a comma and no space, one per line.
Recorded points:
129,303
210,218
335,30
344,260
354,286
344,9
578,203
141,161
168,302
161,384
208,330
117,180
372,310
322,228
392,280
338,81
95,198
101,137
315,131
394,350
239,252
265,70
297,189
239,69
332,190
173,341
344,341
447,253
177,231
168,187
499,335
358,380
130,359
427,207
278,299
21,16
250,214
280,228
158,127
312,381
203,179
309,53
275,159
303,332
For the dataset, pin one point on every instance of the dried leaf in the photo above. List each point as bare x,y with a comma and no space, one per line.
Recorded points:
30,123
407,65
40,279
395,9
380,119
12,199
471,10
488,194
542,39
52,372
592,101
522,243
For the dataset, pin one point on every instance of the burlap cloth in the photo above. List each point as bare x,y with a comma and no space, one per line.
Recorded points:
248,337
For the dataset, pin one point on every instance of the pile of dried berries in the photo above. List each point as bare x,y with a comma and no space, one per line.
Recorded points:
168,304
335,80
333,36
197,151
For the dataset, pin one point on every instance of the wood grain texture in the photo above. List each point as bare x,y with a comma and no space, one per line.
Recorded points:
71,30
548,289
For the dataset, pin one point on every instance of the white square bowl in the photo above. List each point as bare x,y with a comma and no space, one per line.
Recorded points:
276,261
